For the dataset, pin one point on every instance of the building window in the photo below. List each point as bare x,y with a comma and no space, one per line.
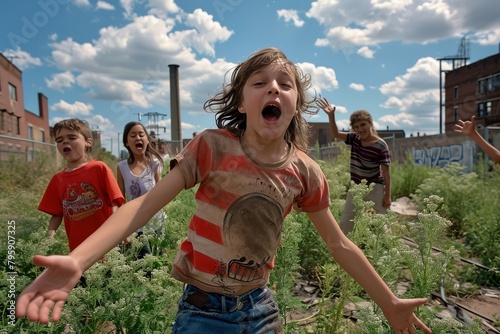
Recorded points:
480,109
30,132
42,132
489,85
495,82
480,86
455,114
488,108
456,92
9,122
12,92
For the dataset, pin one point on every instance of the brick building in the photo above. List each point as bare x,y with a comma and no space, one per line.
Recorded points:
21,131
473,89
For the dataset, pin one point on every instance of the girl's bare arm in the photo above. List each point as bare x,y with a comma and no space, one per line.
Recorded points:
399,312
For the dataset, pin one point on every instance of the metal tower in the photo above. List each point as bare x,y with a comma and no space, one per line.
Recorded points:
153,123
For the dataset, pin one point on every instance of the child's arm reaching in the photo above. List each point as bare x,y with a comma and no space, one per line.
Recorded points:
330,109
50,290
399,312
468,128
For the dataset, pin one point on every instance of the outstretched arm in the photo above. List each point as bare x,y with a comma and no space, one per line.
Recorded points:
50,290
399,312
468,128
330,109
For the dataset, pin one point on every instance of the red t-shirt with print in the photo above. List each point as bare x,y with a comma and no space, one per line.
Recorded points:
84,197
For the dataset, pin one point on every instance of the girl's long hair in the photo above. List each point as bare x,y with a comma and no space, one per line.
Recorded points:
151,150
225,103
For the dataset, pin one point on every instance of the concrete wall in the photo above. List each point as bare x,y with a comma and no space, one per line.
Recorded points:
437,151
433,151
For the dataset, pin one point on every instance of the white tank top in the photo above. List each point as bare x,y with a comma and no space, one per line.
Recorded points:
137,185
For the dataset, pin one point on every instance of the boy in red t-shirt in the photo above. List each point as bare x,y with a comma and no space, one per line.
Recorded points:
85,192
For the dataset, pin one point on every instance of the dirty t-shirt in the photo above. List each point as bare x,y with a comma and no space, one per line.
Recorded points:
241,204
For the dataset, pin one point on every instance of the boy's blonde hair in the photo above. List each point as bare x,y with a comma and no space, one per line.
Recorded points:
225,103
78,125
362,115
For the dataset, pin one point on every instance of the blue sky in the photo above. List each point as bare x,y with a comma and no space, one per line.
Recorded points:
107,61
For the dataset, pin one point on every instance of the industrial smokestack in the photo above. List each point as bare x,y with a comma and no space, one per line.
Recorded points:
175,106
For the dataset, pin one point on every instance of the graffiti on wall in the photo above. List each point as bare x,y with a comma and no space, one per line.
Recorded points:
439,156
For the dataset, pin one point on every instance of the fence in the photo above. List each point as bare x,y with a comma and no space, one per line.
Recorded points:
14,146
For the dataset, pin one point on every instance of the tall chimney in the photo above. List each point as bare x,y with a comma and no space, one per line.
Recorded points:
43,107
175,106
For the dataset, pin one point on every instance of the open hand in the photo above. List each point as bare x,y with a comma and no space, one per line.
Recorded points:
50,290
402,318
326,106
466,127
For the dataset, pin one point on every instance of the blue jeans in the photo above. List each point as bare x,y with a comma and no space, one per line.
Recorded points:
254,312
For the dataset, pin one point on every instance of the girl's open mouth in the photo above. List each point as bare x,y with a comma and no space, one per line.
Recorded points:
271,113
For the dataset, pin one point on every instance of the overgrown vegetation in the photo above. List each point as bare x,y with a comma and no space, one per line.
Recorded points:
140,296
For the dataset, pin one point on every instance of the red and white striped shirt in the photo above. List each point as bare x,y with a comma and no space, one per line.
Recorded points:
241,204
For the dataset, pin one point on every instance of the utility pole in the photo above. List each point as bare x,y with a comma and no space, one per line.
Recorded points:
118,145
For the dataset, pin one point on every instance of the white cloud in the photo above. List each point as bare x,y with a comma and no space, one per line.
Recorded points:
365,52
128,7
100,122
357,86
415,97
75,109
60,81
340,109
290,15
323,78
163,8
141,78
488,37
82,3
127,92
104,5
206,33
352,24
21,59
423,76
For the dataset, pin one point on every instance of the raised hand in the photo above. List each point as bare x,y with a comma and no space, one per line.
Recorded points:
326,106
466,127
50,290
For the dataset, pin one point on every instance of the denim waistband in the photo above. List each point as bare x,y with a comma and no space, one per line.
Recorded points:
223,303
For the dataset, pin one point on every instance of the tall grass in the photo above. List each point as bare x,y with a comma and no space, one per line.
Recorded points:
140,295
